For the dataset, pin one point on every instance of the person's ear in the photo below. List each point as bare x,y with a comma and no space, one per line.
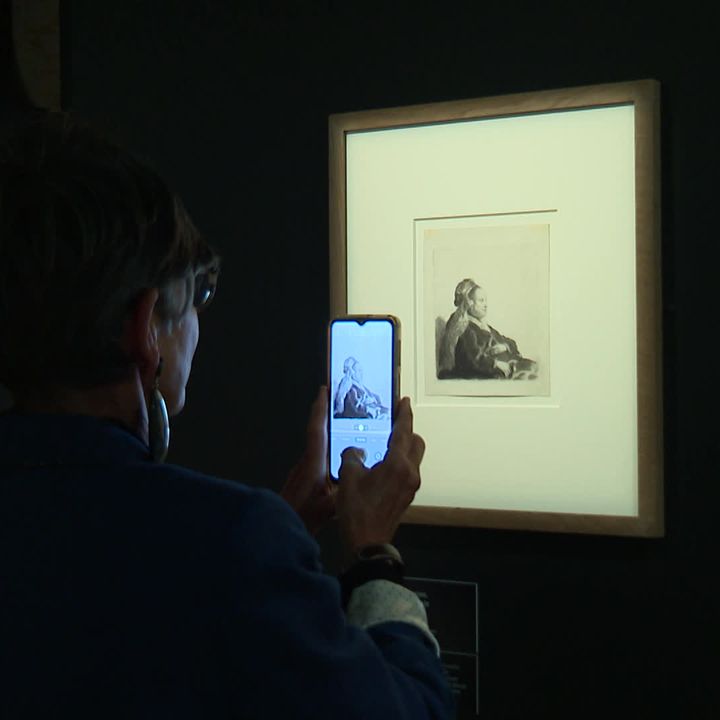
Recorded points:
140,336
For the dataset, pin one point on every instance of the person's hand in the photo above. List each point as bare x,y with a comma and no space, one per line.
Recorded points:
499,349
371,502
308,488
504,367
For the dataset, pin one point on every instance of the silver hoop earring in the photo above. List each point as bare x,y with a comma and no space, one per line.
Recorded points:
158,423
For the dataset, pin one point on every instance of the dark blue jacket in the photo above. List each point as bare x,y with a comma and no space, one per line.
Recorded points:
136,590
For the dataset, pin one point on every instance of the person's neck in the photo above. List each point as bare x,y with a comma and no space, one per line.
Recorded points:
122,402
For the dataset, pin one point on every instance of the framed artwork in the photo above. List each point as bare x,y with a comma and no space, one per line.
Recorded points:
517,239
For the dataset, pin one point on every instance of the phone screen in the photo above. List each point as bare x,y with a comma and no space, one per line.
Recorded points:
361,388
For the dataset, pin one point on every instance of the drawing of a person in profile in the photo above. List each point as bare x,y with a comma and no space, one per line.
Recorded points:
470,348
353,399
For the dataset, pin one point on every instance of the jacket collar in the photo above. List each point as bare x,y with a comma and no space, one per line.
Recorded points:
44,439
480,323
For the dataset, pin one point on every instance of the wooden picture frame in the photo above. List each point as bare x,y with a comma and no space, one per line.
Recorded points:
549,202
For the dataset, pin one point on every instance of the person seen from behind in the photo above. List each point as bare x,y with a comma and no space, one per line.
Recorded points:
134,588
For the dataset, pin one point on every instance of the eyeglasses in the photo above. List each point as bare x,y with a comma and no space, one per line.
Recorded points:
205,286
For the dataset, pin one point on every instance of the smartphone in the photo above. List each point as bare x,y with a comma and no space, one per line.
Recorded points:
363,385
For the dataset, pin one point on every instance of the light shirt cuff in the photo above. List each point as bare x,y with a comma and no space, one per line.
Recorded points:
380,601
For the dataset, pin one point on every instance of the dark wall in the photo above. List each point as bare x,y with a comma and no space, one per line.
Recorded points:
14,103
13,99
230,101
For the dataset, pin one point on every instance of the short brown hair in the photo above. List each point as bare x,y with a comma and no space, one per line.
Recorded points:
85,227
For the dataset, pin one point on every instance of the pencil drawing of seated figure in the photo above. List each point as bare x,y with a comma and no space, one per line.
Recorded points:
353,399
470,348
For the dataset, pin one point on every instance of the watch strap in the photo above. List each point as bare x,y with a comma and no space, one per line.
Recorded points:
372,562
382,550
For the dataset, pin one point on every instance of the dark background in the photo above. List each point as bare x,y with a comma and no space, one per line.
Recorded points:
230,101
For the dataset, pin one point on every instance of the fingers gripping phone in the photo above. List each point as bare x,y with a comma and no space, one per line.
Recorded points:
364,385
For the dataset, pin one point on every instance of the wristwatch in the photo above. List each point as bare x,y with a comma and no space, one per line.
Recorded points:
384,551
372,562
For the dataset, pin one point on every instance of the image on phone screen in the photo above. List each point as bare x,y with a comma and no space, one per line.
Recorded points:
361,388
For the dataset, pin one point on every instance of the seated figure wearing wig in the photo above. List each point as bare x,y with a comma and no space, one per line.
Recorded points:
473,349
353,399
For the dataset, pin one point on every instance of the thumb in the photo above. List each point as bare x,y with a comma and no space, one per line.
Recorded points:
352,464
